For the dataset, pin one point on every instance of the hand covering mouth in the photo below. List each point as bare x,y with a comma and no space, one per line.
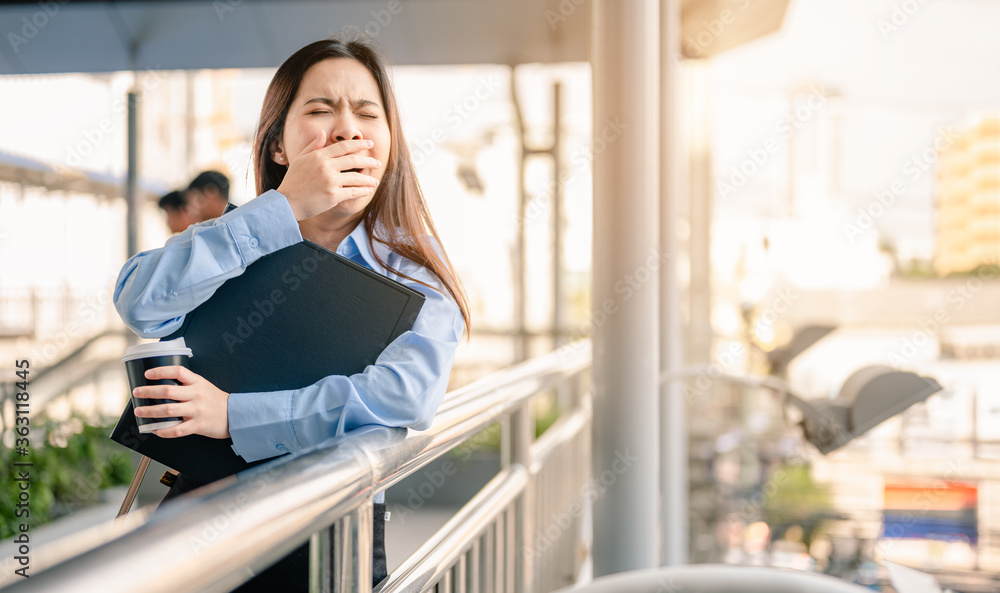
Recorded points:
352,171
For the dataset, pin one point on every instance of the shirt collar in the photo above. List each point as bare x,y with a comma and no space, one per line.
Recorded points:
356,245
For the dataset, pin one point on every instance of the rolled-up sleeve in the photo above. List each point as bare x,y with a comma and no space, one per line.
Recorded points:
403,388
157,288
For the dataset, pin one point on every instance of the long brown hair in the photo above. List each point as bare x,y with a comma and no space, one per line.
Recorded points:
397,215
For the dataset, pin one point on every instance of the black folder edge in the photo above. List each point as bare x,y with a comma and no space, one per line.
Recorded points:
373,274
126,431
414,293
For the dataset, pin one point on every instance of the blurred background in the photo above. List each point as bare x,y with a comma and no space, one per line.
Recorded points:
842,180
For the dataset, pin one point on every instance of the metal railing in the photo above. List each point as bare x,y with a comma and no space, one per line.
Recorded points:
91,364
718,578
521,532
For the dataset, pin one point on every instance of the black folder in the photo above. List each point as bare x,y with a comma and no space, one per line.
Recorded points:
291,318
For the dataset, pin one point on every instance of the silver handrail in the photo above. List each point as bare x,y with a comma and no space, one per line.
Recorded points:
219,536
436,556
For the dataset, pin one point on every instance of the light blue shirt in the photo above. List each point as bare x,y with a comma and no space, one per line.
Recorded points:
158,287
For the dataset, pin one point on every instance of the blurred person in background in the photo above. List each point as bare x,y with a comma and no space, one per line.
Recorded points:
207,196
178,215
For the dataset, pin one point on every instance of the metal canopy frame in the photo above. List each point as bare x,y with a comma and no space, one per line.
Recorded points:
188,35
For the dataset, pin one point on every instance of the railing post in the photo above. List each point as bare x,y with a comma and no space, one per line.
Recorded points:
320,558
361,532
340,556
522,436
340,560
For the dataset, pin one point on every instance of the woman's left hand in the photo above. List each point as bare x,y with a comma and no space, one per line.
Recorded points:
204,407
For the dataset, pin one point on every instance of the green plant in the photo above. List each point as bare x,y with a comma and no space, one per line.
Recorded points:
794,499
546,413
917,269
71,462
545,416
984,271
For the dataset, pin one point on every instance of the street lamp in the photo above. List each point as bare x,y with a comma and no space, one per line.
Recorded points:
870,396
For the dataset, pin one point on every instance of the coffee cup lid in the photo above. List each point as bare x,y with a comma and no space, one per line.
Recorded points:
167,348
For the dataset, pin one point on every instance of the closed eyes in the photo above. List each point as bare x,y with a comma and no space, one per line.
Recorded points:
323,111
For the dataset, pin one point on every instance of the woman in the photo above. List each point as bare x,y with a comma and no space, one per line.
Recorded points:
332,167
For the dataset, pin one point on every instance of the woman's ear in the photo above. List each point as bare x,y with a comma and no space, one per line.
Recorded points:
277,154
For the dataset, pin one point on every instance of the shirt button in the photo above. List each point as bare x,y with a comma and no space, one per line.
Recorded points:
281,447
254,242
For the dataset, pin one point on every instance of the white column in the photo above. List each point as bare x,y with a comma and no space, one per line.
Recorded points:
626,284
673,411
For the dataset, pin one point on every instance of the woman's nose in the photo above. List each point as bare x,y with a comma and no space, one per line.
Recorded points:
347,133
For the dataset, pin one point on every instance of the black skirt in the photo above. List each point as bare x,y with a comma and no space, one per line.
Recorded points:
291,573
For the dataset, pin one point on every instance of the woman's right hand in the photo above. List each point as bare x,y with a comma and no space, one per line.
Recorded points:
318,179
